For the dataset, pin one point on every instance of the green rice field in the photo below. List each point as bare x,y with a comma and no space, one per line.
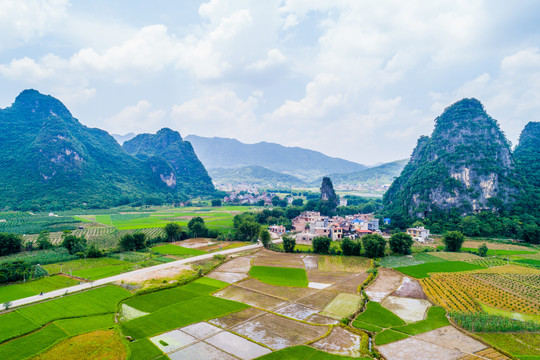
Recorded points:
303,352
280,276
144,349
409,260
34,343
91,269
171,249
34,287
422,270
377,315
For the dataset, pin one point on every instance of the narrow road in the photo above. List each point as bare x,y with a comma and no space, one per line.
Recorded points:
120,277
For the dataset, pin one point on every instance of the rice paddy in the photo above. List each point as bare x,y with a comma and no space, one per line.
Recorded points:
280,276
34,287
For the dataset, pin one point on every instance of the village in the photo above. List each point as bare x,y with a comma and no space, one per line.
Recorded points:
311,224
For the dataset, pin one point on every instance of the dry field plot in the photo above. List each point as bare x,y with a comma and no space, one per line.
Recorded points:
490,353
343,263
321,320
343,305
326,277
296,311
318,300
410,288
287,293
236,318
454,256
279,332
340,342
410,310
270,258
386,282
495,246
228,277
349,285
239,265
311,262
250,297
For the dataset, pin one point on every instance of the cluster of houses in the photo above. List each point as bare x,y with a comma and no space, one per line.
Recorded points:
249,198
311,224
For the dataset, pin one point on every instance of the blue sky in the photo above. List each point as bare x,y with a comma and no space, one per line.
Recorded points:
361,80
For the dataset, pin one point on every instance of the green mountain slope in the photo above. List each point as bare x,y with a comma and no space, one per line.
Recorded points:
527,157
253,175
465,166
172,160
49,160
304,164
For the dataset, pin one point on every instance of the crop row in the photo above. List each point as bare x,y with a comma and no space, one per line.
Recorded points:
509,284
529,279
486,293
441,290
487,262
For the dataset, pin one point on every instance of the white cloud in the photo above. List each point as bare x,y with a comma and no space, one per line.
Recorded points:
138,118
274,58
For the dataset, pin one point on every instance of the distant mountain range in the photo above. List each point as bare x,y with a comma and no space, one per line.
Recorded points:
257,176
49,160
377,175
306,165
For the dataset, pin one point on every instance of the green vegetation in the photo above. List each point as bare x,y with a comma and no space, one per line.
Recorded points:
144,349
401,243
34,287
171,249
374,245
532,262
486,323
376,314
77,326
321,245
160,299
517,344
91,269
280,276
180,314
13,324
304,352
499,252
289,244
32,344
436,318
365,326
453,241
26,223
422,270
414,259
387,336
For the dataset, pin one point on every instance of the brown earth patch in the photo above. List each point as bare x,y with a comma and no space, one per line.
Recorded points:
320,319
410,288
240,264
282,292
340,342
278,332
236,318
326,277
318,300
490,353
349,285
452,338
311,262
455,256
386,282
296,311
494,246
250,297
271,258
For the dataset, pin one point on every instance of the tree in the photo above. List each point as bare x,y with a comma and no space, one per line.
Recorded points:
265,238
374,245
531,234
173,231
133,242
351,247
216,202
298,202
197,228
401,243
453,241
74,244
93,252
288,244
482,250
248,231
321,244
43,241
10,244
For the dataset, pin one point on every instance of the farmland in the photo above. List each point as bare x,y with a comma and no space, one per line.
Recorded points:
34,287
280,275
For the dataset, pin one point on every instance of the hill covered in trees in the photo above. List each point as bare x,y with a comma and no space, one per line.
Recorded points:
49,160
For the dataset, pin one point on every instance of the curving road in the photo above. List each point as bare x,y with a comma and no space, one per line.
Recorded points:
120,277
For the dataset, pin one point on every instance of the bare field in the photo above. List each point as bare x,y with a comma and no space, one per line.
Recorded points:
343,305
279,332
387,281
410,310
240,264
326,277
494,246
410,288
340,342
350,285
319,300
320,319
454,256
311,262
228,277
270,258
288,293
236,318
250,297
296,311
343,263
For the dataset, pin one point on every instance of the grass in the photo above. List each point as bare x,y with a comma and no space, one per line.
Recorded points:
160,299
436,318
143,349
486,323
77,326
280,276
304,352
494,252
409,260
376,314
13,324
422,270
97,345
171,249
180,314
532,262
365,326
516,344
343,263
34,287
342,306
32,344
93,302
388,336
101,272
83,264
510,314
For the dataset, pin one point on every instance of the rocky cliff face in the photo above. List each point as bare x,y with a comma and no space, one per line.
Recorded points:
328,195
527,154
172,160
466,166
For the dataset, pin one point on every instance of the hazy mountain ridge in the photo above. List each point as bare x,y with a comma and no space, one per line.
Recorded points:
253,175
302,163
377,175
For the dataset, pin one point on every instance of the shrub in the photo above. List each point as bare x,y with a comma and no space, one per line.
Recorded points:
351,247
288,244
10,244
453,240
374,245
321,245
265,238
482,250
401,243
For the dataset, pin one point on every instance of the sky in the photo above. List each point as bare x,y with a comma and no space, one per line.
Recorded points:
355,79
